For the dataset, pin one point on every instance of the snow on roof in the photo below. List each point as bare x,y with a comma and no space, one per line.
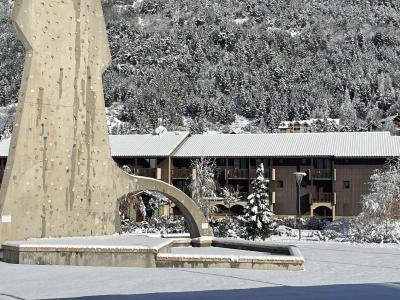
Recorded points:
288,124
146,145
4,146
338,144
135,145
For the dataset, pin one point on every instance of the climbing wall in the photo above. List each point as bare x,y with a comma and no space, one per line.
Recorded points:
54,183
60,179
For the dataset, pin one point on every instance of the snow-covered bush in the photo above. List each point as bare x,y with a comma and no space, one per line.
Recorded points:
156,225
287,222
259,220
379,220
338,230
363,230
228,227
315,223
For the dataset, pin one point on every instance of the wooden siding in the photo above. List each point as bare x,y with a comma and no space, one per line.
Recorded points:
348,200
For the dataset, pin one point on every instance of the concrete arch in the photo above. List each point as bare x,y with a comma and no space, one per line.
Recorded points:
327,206
237,209
196,221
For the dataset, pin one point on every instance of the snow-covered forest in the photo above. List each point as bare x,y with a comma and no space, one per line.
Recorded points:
214,60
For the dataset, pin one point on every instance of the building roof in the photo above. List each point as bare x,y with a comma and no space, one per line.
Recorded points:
289,124
338,144
4,147
145,145
335,144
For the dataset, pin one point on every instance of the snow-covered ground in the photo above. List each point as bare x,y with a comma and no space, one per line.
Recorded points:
333,271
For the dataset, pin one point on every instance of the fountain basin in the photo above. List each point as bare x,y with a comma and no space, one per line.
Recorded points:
152,252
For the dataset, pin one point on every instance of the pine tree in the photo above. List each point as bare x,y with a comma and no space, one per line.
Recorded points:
348,114
262,127
258,218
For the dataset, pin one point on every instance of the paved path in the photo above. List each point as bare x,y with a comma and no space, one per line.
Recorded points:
333,271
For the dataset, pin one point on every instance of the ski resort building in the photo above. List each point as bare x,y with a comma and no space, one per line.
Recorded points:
338,165
305,126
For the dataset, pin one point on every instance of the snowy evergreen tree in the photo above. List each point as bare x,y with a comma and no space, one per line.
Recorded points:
259,219
203,185
348,114
262,127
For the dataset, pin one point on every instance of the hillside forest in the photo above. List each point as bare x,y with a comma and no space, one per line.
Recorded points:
211,62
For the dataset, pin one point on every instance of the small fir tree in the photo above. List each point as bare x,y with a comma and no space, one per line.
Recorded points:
258,218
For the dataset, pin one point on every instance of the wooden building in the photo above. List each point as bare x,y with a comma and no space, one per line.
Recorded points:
338,165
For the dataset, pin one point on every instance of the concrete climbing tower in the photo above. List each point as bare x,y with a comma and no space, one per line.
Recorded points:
60,179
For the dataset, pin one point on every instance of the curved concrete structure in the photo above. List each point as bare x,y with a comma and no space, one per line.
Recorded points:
60,179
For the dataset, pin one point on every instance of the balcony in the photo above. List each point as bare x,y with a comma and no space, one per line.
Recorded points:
323,198
220,172
234,173
181,173
146,172
322,174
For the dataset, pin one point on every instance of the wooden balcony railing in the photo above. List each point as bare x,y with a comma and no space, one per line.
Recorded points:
323,198
253,173
146,172
181,173
234,173
220,171
322,174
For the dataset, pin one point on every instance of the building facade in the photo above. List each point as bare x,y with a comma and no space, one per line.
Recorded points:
338,165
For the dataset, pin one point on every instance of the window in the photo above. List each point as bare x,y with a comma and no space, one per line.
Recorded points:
240,163
322,163
150,163
279,184
305,161
346,184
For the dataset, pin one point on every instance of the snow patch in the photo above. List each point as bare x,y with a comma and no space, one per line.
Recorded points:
241,21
